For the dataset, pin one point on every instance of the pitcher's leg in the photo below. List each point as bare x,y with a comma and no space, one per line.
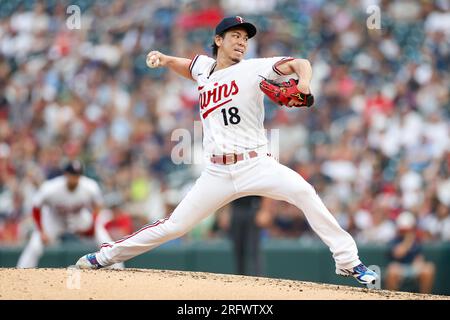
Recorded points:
209,193
281,183
102,237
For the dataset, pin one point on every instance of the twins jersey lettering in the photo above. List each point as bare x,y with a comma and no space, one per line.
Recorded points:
231,103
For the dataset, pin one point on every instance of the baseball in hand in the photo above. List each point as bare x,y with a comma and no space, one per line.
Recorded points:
153,61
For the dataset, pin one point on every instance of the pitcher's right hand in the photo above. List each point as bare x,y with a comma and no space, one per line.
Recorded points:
155,59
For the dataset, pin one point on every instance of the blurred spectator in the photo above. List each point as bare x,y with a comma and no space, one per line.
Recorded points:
287,221
437,223
407,261
379,229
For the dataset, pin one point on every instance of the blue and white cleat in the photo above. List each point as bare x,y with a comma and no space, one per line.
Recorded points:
88,261
361,273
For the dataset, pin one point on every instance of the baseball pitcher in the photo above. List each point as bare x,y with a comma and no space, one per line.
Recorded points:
231,92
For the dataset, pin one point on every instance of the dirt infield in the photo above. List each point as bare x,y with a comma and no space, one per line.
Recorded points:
137,284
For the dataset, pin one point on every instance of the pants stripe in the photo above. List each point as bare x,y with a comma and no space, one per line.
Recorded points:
137,232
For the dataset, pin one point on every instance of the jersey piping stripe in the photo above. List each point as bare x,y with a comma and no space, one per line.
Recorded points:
135,233
191,65
212,69
207,112
279,63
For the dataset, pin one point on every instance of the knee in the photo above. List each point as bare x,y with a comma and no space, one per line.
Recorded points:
394,271
428,270
303,190
175,229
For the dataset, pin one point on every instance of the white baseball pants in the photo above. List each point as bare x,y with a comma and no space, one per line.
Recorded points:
221,184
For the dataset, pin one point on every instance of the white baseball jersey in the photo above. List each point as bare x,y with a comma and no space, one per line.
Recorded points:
61,201
232,113
231,103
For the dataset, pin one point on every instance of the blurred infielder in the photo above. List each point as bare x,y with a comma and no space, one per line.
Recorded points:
63,205
231,92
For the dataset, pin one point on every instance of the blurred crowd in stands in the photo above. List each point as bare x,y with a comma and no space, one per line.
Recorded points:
375,144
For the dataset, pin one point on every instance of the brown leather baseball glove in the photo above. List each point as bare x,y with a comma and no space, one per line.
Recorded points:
285,92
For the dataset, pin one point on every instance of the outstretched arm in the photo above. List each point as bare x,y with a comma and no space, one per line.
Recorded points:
179,65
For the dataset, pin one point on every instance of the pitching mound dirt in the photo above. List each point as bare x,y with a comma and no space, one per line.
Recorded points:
137,284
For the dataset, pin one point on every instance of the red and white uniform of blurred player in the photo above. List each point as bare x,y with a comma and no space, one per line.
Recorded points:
58,210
